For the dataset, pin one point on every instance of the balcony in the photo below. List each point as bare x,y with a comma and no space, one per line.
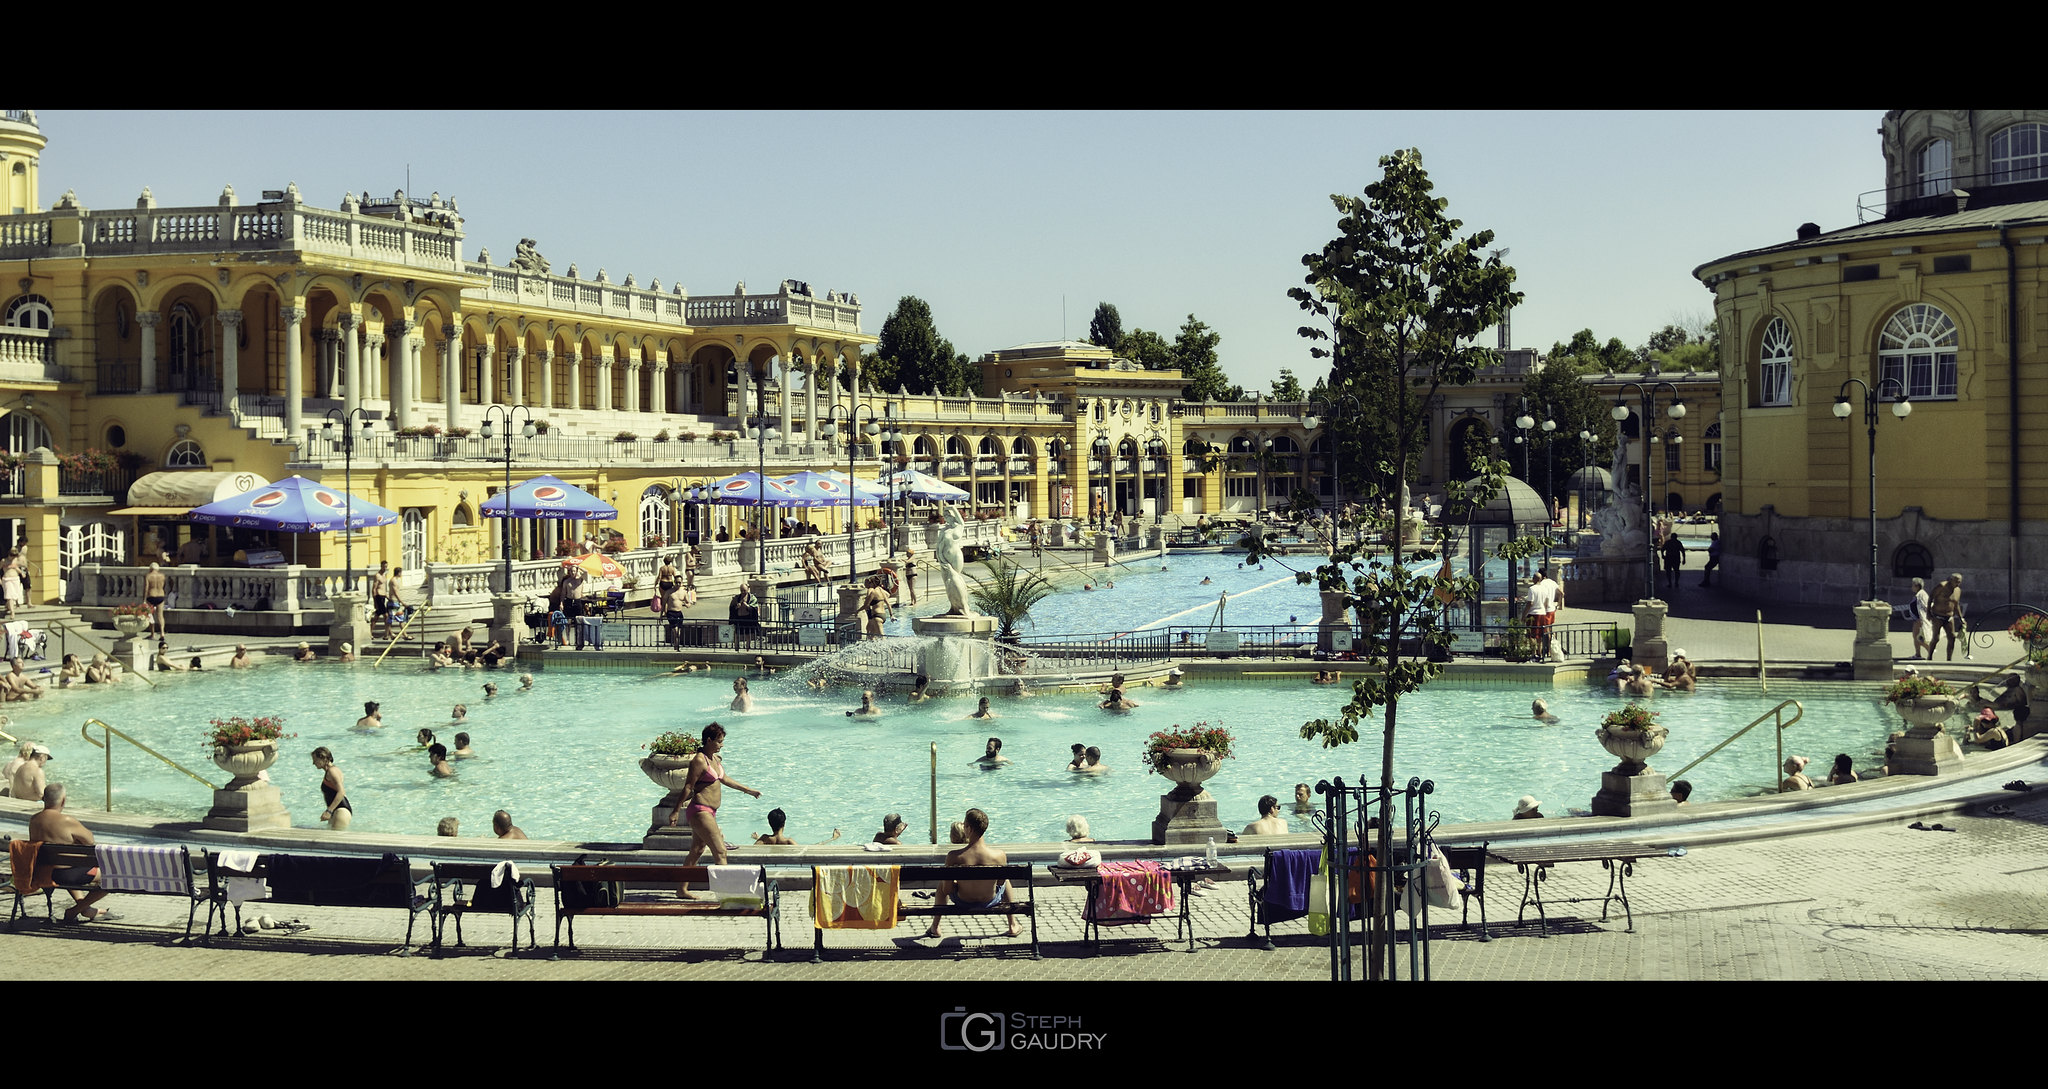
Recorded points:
1985,190
26,356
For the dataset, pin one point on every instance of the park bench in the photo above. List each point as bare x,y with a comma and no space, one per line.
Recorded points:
1018,874
636,890
321,881
464,887
170,871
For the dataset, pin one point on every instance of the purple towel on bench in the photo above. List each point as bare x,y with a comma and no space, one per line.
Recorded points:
1285,893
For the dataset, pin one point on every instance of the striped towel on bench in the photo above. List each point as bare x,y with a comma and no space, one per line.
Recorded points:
142,869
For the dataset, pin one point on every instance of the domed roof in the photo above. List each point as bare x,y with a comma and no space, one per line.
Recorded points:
1591,479
1517,504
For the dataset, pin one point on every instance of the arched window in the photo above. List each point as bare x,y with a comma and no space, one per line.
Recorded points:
1710,444
1774,364
463,518
185,454
412,538
29,312
2019,153
187,348
1931,168
655,507
25,433
1912,561
1918,351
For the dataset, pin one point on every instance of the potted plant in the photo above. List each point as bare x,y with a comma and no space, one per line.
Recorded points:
89,462
1923,700
2031,629
1632,736
661,435
244,747
541,427
1188,755
459,432
129,620
625,436
689,436
668,760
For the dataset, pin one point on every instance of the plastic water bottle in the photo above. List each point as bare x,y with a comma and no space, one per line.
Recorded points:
1210,858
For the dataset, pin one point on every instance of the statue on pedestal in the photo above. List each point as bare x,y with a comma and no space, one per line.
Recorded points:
952,564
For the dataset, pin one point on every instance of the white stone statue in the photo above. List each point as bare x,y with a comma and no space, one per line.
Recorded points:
952,564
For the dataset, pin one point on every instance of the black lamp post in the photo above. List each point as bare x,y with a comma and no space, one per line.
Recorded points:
1902,408
1527,422
854,430
762,434
1331,405
348,454
508,413
1620,412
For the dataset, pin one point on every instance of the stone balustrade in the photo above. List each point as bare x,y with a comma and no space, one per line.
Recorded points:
297,588
283,226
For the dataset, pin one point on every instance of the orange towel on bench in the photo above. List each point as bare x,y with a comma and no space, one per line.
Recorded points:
855,897
21,858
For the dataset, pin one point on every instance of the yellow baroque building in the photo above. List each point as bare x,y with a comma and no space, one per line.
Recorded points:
1938,295
153,358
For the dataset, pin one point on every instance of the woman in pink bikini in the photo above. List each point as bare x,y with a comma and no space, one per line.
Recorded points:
700,799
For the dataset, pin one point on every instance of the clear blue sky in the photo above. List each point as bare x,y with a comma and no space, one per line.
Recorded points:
1013,225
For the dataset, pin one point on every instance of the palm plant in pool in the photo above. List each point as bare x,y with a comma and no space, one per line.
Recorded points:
1008,595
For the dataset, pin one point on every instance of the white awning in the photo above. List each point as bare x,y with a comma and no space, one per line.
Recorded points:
176,493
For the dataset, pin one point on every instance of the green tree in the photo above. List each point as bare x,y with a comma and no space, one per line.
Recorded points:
1287,387
1106,329
1194,355
1008,595
1588,356
1559,391
918,356
1404,299
1667,338
874,370
1147,349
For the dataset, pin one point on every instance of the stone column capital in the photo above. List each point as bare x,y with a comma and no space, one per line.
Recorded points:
347,320
149,318
230,318
291,315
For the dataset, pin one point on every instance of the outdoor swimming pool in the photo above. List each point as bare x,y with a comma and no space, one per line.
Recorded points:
563,758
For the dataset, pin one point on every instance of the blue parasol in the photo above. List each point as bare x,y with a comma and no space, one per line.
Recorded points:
549,497
293,505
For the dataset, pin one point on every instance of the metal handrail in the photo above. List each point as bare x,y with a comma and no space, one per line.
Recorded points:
1777,713
108,749
63,624
399,635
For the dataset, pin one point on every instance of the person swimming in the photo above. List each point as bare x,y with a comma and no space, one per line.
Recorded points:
742,700
867,708
1540,711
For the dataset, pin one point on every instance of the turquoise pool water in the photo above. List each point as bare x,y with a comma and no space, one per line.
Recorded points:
563,758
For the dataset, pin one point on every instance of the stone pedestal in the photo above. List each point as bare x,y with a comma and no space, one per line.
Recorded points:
750,555
961,651
1155,538
1624,795
1187,813
1105,547
1872,655
1057,535
667,772
1411,528
249,809
1336,619
508,616
1649,648
1927,746
134,653
351,622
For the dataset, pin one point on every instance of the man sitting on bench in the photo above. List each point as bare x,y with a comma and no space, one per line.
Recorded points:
53,825
974,894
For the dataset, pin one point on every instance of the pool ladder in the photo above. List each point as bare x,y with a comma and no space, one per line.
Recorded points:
1776,714
110,733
